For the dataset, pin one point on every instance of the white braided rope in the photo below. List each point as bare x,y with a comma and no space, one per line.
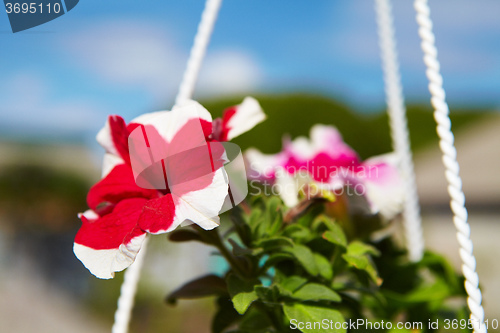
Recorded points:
399,128
186,88
198,50
127,292
446,143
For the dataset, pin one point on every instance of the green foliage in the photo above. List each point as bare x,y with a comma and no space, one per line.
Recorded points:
308,269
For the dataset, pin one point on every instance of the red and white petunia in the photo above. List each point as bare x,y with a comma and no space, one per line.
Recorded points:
328,162
185,174
238,120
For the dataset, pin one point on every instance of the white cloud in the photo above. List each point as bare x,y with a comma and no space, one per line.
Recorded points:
229,72
130,53
27,105
141,55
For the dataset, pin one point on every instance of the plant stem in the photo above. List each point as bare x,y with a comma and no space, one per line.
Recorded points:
213,237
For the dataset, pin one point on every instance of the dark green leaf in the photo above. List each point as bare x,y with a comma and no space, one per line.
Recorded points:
316,292
238,250
269,294
242,228
308,315
290,284
276,258
357,256
185,235
273,243
255,321
335,235
242,292
225,315
296,231
363,263
208,285
434,292
324,266
305,257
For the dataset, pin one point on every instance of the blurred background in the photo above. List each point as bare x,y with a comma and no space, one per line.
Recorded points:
306,63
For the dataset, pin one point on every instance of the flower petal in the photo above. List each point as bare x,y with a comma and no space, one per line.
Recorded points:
167,123
262,166
287,187
119,184
202,206
109,162
241,118
158,215
113,137
384,188
110,243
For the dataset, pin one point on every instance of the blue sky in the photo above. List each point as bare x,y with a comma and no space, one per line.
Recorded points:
126,57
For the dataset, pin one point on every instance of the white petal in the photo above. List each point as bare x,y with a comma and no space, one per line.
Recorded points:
200,110
247,115
89,215
385,190
168,123
287,188
327,139
146,117
201,206
104,263
262,166
386,200
105,140
301,148
109,162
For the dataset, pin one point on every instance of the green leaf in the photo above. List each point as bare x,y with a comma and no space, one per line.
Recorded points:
305,257
308,315
238,250
357,257
242,293
335,235
277,224
324,266
273,243
296,231
441,267
269,294
316,292
360,248
427,293
225,315
363,263
290,284
242,228
254,221
185,235
208,285
276,258
273,207
255,321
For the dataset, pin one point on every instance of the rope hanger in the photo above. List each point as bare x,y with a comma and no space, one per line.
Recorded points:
446,143
399,129
401,145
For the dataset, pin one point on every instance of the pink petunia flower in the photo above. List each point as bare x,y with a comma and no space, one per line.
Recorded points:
326,161
183,181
